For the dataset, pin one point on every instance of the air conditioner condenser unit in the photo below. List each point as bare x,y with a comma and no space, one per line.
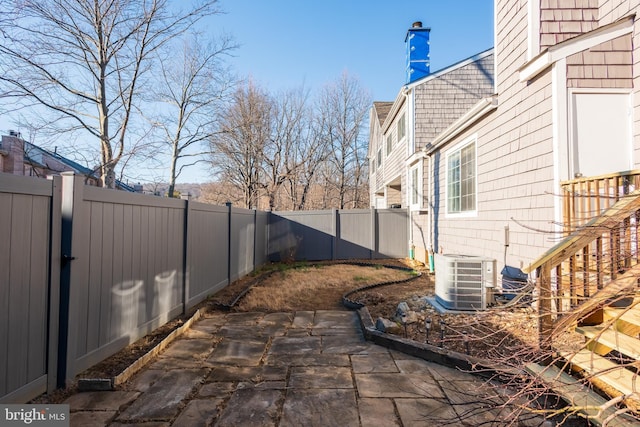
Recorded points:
464,282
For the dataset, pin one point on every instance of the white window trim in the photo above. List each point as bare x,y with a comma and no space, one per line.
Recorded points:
533,29
466,214
403,115
419,166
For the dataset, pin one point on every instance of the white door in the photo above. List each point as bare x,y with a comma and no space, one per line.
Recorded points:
600,134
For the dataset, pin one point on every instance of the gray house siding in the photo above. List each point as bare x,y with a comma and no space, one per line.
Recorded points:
443,99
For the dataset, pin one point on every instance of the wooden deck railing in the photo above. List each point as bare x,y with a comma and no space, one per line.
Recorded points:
601,242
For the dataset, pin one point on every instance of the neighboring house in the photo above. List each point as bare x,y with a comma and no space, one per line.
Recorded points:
20,157
563,109
399,131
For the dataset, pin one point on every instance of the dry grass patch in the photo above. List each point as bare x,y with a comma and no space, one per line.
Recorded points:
314,287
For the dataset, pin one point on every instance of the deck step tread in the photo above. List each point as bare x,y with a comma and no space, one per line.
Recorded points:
631,316
610,373
579,395
616,340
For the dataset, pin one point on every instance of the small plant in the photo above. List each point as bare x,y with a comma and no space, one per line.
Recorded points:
360,278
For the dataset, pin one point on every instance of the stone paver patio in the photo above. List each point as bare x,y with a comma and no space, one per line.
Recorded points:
289,369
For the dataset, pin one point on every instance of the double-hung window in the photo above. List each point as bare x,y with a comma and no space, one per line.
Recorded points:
402,127
461,178
389,143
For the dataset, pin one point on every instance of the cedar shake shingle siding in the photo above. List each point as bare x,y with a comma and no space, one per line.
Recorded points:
440,101
561,20
608,65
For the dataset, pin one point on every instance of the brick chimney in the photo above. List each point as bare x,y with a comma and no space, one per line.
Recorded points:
417,43
12,151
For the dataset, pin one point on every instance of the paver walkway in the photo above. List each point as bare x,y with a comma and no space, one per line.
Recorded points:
288,369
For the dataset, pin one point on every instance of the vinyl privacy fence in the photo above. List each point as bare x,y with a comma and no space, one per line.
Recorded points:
85,271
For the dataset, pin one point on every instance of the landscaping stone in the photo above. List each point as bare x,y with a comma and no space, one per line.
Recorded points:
236,352
243,373
199,412
336,319
217,389
91,418
320,408
163,398
320,377
388,326
377,412
251,407
100,400
368,363
416,412
303,319
295,345
397,385
307,359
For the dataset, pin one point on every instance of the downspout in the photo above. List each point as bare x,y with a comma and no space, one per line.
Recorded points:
431,211
411,107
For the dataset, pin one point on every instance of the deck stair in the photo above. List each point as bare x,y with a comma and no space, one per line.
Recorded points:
610,359
580,396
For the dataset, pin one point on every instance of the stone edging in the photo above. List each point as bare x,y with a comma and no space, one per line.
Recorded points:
103,384
430,353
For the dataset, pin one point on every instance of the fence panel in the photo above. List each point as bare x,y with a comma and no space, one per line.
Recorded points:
208,251
355,231
392,233
127,276
29,280
307,235
241,241
261,252
344,234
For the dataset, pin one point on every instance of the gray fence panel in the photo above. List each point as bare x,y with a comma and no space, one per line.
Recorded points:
241,242
208,251
126,279
29,217
262,238
392,233
307,235
355,231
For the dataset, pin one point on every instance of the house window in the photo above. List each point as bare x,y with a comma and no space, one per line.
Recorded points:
379,157
389,144
461,178
402,128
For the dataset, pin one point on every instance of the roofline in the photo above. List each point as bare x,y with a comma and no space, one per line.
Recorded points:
483,107
450,68
77,166
569,47
406,88
395,108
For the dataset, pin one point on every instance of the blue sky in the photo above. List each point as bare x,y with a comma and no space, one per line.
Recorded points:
287,43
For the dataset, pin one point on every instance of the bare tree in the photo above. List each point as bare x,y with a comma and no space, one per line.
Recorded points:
194,83
239,145
290,124
343,105
312,151
85,61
